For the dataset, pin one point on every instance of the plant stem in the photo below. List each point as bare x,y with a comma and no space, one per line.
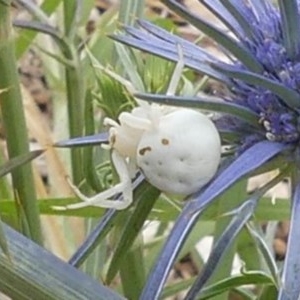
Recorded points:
132,271
130,11
75,90
15,128
75,115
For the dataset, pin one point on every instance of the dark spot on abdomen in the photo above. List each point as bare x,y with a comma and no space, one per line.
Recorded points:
165,142
144,150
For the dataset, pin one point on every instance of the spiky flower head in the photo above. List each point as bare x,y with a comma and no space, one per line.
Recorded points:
260,113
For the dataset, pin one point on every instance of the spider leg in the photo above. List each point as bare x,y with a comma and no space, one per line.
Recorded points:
100,199
110,122
132,167
112,134
134,121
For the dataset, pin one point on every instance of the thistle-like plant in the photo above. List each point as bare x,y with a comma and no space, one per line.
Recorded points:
259,118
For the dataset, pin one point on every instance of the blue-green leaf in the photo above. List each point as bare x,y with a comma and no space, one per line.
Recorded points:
243,214
34,273
223,39
207,103
288,96
291,272
236,10
91,140
222,13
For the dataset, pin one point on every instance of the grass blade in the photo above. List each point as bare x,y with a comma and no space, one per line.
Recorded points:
145,197
244,213
252,277
40,275
19,161
15,126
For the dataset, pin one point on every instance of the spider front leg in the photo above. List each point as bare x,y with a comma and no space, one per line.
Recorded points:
101,200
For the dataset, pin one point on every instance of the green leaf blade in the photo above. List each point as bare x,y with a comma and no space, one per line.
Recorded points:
40,275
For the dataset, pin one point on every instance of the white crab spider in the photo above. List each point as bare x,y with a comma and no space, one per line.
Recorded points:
177,149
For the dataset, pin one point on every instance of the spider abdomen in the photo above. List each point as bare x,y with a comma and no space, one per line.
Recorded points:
181,154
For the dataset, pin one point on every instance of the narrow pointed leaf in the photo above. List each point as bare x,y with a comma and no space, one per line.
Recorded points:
169,51
233,7
164,35
248,161
5,169
35,10
206,103
291,272
130,67
19,161
288,96
90,140
24,41
268,256
231,283
222,38
38,26
160,39
94,238
244,213
38,274
222,13
130,10
290,27
252,277
44,28
74,21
